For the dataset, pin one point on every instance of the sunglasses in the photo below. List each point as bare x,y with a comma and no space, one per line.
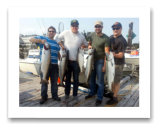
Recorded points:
52,31
74,25
116,28
98,26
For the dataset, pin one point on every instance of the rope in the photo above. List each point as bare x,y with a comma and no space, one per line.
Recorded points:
130,88
131,83
44,25
117,95
40,25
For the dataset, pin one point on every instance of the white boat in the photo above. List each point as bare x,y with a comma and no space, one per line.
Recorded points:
133,59
131,62
31,63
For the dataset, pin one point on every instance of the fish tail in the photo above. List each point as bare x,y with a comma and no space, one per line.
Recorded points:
44,81
61,83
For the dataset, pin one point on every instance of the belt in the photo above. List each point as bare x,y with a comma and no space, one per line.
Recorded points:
72,61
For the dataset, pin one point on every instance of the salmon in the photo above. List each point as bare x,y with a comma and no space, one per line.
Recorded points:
45,62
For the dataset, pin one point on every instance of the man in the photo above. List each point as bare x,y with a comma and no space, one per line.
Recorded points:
100,42
72,41
118,46
58,41
53,68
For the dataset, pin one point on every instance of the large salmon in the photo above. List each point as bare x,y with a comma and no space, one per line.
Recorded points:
81,59
89,65
110,70
63,64
45,62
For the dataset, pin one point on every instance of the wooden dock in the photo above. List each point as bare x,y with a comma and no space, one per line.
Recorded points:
30,95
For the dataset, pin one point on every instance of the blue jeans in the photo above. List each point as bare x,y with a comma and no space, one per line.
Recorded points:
72,67
53,74
100,80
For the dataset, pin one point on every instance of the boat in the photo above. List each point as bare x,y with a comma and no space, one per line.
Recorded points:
132,57
32,63
131,62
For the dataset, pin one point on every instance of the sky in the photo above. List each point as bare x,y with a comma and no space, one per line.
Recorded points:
29,26
123,14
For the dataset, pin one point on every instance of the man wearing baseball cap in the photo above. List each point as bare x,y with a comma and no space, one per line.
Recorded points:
118,45
72,41
100,42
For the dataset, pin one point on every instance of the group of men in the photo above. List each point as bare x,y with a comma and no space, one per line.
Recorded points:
73,40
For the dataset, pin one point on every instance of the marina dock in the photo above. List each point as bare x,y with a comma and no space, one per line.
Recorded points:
30,94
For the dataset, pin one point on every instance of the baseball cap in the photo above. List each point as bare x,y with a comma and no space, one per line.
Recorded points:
74,21
117,24
99,22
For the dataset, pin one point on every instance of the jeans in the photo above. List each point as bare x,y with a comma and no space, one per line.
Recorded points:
72,67
100,80
53,74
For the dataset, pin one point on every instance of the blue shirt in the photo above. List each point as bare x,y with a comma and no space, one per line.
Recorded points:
54,46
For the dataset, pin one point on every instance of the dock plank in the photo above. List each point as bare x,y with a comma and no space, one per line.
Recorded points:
126,98
87,102
80,100
73,103
132,100
50,101
36,100
126,83
137,103
103,104
126,87
30,95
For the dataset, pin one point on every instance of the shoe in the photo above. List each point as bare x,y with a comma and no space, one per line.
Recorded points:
112,101
87,97
75,98
98,102
66,97
57,98
108,95
43,100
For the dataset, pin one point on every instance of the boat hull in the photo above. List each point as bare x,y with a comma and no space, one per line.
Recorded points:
30,67
132,60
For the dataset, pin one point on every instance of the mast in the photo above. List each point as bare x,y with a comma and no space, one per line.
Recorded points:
130,33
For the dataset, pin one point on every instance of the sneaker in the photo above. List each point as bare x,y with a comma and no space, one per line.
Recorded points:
75,98
57,98
87,97
108,95
66,96
98,102
43,100
112,101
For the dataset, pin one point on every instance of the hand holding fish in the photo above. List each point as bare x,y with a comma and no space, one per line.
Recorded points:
113,54
83,46
89,47
43,41
62,47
